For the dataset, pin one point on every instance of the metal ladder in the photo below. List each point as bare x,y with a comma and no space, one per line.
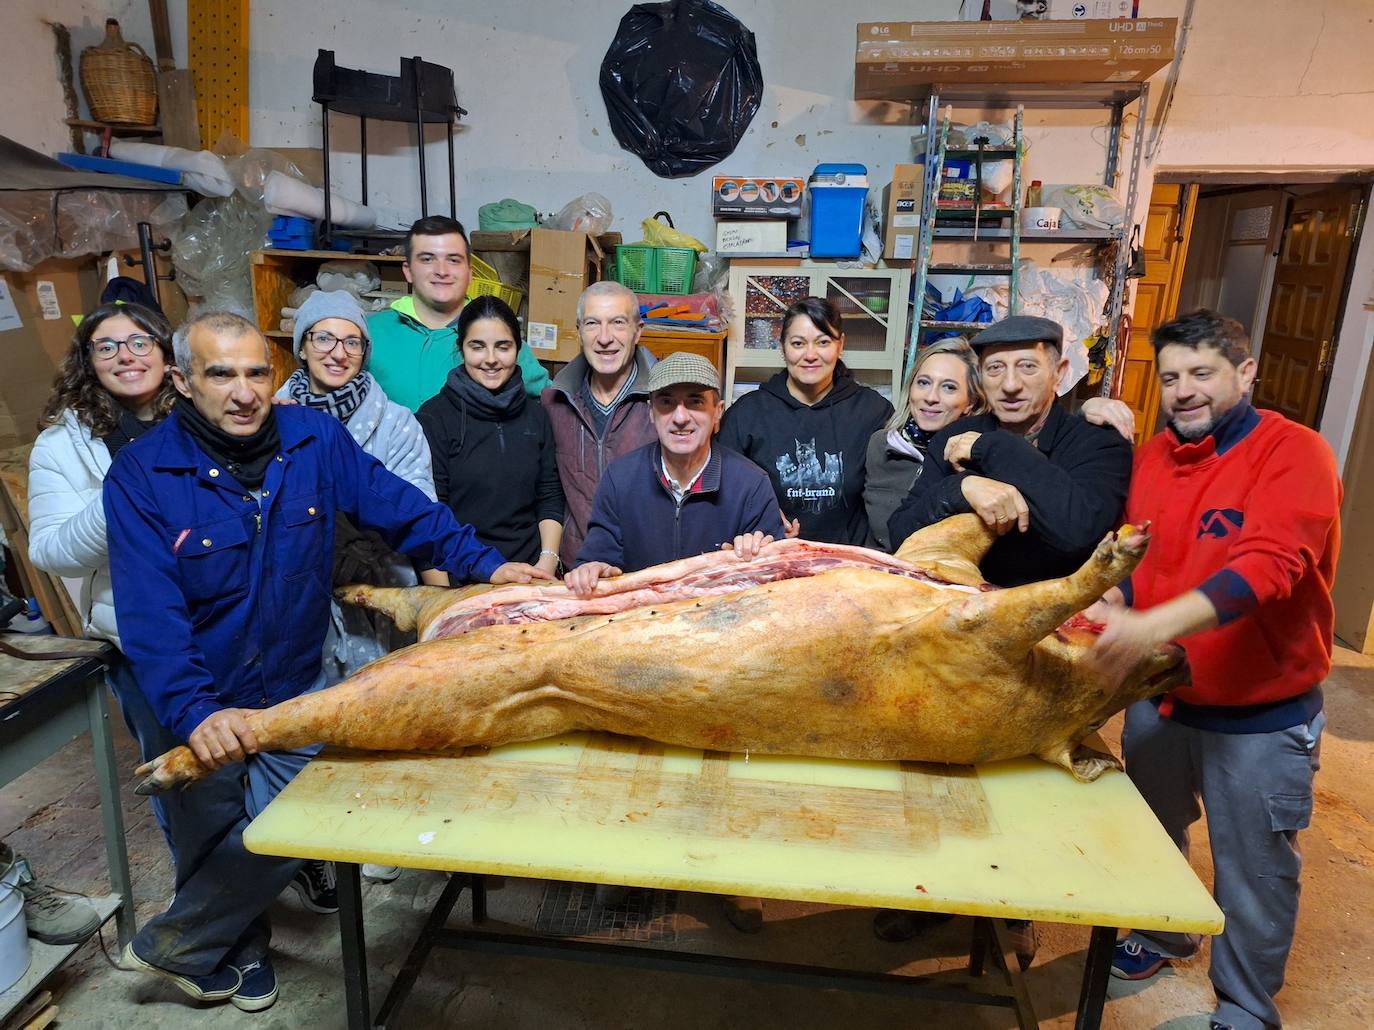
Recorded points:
931,213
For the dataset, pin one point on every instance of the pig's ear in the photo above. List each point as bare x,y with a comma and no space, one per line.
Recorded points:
951,549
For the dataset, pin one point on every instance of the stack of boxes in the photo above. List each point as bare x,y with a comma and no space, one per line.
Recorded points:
752,213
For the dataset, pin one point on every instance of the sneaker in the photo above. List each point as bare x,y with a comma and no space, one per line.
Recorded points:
259,987
896,925
54,916
744,914
216,986
1132,961
317,888
380,873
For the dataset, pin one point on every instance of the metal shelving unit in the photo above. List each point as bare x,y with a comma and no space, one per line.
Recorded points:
1113,97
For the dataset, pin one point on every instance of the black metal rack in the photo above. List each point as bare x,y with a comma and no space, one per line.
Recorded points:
422,94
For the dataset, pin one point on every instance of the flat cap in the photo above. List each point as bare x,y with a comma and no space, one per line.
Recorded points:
682,367
1020,329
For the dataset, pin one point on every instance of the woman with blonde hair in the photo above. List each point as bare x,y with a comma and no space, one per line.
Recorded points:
943,385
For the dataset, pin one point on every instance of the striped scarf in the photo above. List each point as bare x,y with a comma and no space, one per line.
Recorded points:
341,403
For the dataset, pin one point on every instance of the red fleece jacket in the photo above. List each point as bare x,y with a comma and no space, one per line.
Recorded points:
1257,529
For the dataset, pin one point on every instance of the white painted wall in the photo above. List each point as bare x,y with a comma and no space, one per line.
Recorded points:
34,110
1265,84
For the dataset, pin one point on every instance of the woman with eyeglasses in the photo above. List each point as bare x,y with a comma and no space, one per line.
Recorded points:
113,386
333,345
493,447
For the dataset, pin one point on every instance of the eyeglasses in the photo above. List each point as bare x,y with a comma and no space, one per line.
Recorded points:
139,345
323,343
618,324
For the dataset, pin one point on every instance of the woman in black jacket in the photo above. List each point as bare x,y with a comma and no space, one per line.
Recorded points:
808,427
492,449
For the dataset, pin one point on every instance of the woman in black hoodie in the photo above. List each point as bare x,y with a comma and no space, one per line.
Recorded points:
808,427
491,448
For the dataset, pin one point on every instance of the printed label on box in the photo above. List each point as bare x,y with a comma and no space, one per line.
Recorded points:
542,336
47,300
9,314
902,249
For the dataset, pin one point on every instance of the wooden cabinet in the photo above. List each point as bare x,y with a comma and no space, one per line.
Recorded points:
662,342
872,305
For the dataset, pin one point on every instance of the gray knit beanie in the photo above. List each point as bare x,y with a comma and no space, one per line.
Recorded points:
324,304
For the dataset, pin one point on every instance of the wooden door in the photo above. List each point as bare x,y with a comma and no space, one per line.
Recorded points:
1167,229
1299,333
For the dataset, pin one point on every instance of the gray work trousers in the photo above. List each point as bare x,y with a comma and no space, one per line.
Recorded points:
219,913
1257,792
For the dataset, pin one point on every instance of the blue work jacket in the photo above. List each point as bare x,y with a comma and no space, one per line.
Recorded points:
222,599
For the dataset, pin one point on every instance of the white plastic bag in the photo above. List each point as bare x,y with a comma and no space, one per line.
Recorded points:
1086,207
1073,297
589,213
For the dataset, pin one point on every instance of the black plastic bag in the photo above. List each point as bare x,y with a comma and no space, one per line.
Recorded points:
682,82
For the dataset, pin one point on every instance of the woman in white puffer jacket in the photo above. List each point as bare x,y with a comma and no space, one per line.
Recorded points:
113,386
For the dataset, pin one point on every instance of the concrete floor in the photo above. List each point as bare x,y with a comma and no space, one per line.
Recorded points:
51,816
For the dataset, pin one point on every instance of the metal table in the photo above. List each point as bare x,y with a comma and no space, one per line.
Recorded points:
45,705
1008,840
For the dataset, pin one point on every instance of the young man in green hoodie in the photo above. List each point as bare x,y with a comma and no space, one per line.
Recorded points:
415,341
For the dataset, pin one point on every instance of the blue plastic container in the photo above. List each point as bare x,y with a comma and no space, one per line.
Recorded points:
288,232
837,192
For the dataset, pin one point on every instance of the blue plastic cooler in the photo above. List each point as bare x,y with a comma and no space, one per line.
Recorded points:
838,192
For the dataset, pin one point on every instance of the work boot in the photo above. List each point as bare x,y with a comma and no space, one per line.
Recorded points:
53,916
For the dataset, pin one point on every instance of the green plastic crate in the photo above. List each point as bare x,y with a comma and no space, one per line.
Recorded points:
655,269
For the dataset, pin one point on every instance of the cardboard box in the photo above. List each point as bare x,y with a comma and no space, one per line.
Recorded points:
902,207
35,333
562,265
751,237
756,196
901,60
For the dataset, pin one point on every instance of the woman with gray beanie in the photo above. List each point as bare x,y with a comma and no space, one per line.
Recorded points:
333,345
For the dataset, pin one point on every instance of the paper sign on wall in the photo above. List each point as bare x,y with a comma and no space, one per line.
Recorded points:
47,300
9,314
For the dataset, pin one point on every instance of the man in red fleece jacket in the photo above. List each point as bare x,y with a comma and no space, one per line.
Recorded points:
1245,514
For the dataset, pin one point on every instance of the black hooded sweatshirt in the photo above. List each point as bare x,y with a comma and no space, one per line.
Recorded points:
493,461
814,455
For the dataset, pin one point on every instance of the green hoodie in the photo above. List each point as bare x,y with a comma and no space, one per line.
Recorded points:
412,361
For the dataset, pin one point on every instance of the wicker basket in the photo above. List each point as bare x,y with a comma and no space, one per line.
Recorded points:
119,81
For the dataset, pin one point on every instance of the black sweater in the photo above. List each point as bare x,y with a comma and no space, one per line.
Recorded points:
814,455
1074,482
495,471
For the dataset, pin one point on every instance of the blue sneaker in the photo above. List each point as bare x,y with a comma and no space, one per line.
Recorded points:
259,988
216,986
1131,961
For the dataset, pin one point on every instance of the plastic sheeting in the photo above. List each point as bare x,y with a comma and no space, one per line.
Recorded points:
682,82
210,253
36,225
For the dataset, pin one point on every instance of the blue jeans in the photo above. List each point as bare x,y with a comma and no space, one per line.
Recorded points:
1257,791
219,914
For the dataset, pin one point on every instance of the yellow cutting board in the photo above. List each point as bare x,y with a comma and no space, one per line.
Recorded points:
1018,838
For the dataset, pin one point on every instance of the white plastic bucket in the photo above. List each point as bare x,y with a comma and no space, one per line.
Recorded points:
14,932
1040,219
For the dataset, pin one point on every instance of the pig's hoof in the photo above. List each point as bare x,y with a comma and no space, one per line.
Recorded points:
1087,764
173,768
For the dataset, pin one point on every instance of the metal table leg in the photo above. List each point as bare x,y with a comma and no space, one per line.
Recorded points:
111,815
1096,969
354,943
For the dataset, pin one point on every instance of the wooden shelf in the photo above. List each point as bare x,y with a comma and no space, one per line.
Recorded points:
115,128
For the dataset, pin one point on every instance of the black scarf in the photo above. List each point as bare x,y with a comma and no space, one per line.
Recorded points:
244,457
128,429
342,403
920,439
488,405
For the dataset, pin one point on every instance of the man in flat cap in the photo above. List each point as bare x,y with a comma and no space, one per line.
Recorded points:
1052,484
679,496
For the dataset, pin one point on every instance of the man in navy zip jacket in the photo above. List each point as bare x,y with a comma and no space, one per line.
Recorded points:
682,495
221,525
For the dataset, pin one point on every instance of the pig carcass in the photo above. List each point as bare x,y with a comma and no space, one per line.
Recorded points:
808,649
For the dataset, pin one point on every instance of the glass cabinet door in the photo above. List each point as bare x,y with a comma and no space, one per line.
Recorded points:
864,303
766,297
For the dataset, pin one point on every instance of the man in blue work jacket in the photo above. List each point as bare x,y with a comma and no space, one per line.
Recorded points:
221,527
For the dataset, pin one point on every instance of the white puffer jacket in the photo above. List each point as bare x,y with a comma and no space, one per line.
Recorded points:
67,519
